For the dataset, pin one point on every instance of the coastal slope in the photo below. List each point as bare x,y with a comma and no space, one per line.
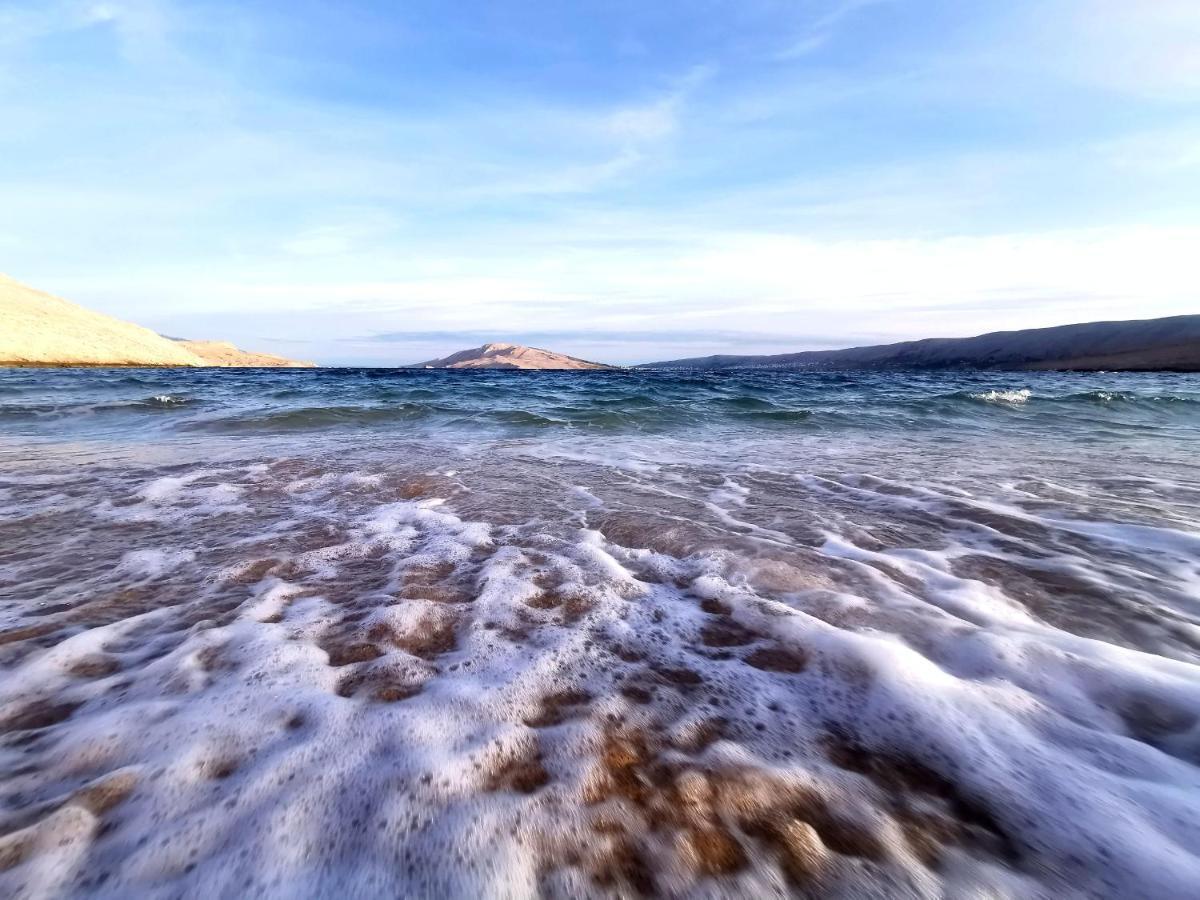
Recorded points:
39,329
227,355
1170,344
508,356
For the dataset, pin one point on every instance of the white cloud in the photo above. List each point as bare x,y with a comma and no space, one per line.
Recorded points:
658,118
651,122
355,230
1146,46
1171,151
1148,49
140,25
738,282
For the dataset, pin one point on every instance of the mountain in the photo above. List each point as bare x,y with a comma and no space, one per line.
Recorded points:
223,353
38,329
1170,344
508,356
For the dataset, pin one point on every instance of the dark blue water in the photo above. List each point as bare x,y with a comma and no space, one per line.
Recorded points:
229,401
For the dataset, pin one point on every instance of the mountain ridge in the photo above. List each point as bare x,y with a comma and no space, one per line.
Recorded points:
1171,343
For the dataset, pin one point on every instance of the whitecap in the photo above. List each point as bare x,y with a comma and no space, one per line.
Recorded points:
1009,396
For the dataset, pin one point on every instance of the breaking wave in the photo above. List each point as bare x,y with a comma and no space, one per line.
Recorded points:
1010,396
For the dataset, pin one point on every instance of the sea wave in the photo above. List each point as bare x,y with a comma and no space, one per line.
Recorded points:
76,409
167,400
629,402
1126,397
1024,396
311,417
1014,397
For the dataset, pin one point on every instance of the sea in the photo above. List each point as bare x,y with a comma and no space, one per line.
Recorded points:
371,632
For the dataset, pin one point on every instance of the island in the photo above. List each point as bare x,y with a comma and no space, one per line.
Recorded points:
508,356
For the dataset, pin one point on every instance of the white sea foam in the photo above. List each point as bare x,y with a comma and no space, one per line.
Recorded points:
1008,396
370,695
195,495
153,563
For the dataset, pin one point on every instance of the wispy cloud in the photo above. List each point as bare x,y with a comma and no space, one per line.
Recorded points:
818,32
630,135
1149,48
352,230
141,27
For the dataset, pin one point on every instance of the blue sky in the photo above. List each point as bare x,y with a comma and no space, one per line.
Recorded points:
378,183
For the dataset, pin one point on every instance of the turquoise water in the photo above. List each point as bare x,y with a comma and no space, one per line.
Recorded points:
361,632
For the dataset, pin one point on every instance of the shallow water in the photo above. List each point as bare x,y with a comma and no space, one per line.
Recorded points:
366,632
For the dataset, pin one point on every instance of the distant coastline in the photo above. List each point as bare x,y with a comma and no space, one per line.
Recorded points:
1169,344
38,330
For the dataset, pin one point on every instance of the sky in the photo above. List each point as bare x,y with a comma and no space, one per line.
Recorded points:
379,183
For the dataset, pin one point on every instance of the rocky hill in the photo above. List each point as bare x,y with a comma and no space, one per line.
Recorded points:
39,329
508,356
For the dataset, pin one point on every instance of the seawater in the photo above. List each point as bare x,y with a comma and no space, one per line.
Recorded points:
492,634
